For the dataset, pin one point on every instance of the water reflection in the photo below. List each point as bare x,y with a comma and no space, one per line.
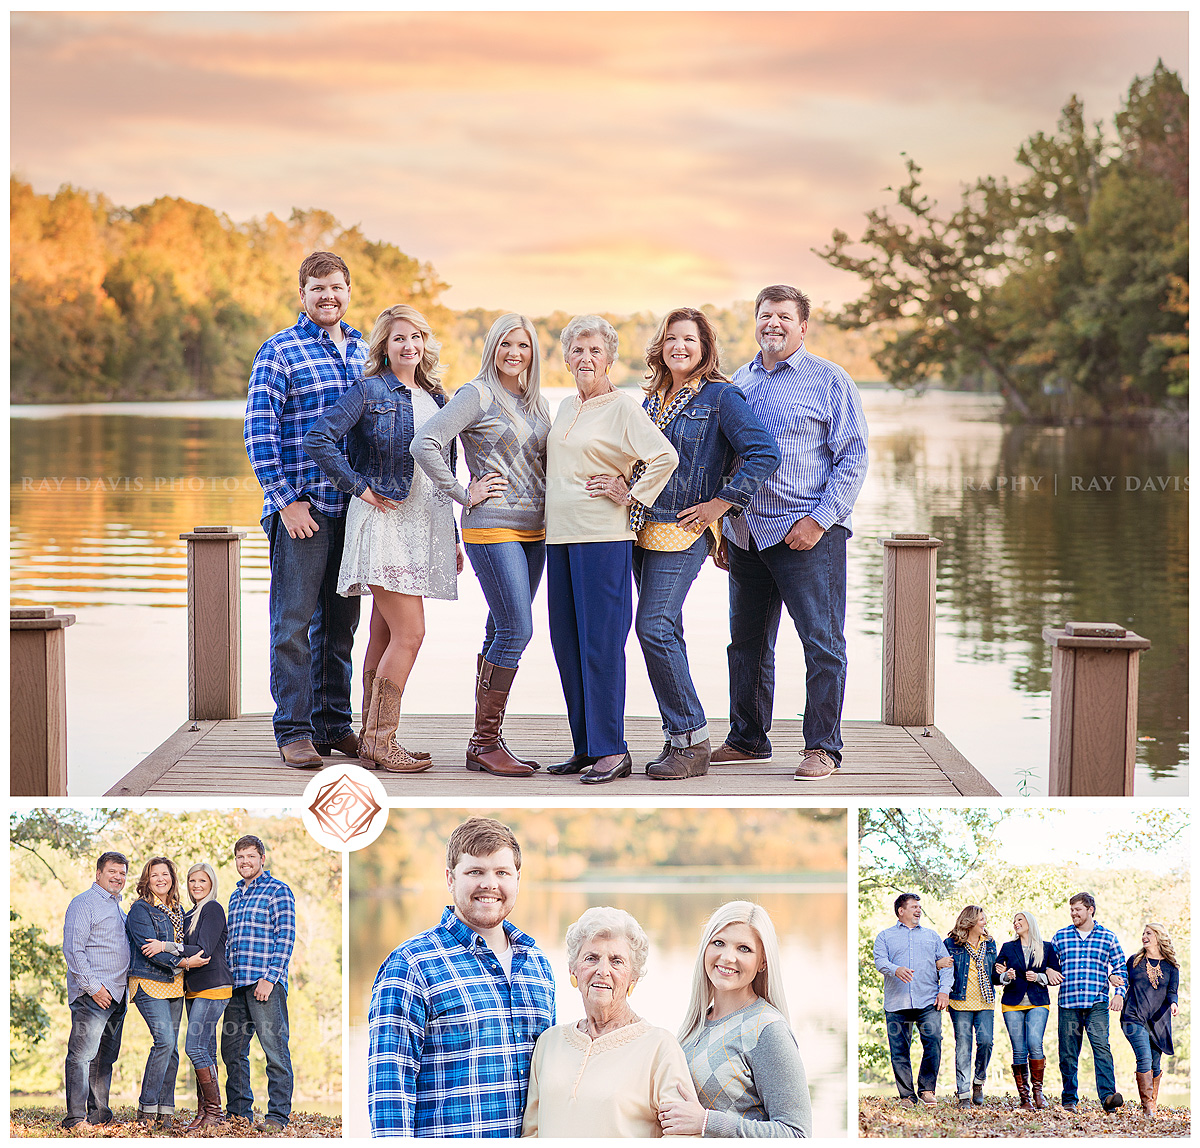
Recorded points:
101,494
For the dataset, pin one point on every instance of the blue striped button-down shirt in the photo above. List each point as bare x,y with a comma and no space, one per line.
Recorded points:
261,931
1086,963
95,946
918,949
296,375
812,408
452,1037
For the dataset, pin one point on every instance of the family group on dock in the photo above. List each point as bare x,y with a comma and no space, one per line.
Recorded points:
354,443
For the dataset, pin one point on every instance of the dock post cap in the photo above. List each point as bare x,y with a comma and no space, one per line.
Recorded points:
212,534
38,618
899,538
1095,636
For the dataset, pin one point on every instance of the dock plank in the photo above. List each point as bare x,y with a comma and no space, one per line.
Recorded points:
239,756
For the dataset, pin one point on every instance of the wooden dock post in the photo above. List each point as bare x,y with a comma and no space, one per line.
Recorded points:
38,701
214,622
909,587
1093,709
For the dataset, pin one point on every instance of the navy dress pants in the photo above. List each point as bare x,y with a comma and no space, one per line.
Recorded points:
590,594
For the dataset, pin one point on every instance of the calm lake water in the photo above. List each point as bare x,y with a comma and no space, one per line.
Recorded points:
1039,526
811,926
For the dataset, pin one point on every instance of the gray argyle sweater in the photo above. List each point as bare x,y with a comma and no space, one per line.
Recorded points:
496,435
748,1072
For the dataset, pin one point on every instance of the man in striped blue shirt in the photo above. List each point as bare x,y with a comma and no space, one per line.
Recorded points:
789,547
1091,959
455,1012
296,375
258,947
96,951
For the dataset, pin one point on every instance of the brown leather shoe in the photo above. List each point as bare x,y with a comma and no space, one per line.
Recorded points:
727,753
486,751
816,765
300,754
347,745
682,761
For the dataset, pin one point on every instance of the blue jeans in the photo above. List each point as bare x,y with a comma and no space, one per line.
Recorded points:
590,596
928,1022
812,585
200,1044
312,632
1072,1024
92,1050
968,1025
509,574
1026,1027
245,1017
1147,1054
663,580
162,1018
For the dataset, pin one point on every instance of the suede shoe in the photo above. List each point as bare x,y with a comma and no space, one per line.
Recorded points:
300,754
816,765
726,753
682,761
269,1126
1113,1102
619,765
347,745
928,1099
576,763
663,754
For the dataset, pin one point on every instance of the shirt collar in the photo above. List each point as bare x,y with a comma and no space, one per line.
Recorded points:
792,360
910,928
105,893
471,940
310,328
242,884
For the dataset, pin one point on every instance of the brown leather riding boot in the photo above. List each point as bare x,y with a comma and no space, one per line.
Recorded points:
1037,1073
1154,1096
486,750
1145,1087
1021,1076
209,1111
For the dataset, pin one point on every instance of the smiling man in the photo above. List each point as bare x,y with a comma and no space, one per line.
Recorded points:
455,1011
789,547
296,375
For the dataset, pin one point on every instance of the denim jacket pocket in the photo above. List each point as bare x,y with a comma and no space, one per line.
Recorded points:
693,424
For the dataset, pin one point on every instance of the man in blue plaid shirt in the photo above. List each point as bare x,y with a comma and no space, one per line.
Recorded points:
455,1012
296,375
261,936
1091,960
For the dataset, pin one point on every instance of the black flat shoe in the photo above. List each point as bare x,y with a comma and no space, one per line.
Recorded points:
577,763
623,768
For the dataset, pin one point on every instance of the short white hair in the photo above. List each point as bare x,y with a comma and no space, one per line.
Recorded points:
589,325
605,921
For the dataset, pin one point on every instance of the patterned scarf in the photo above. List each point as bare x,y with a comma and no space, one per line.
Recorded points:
660,417
174,915
981,974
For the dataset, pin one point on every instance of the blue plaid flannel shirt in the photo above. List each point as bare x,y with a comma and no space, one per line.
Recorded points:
1086,963
296,375
262,931
451,1037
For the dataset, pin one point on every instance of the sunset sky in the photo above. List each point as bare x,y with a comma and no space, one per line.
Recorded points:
582,161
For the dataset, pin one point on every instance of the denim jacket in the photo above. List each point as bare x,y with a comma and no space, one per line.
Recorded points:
961,956
710,434
146,922
375,415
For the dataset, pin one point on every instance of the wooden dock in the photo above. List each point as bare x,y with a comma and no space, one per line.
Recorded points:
238,756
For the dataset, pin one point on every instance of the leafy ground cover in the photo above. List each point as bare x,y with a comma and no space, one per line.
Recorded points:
886,1116
28,1122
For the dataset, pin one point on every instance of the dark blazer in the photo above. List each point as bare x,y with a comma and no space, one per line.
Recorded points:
376,416
1012,953
961,957
715,431
210,936
146,922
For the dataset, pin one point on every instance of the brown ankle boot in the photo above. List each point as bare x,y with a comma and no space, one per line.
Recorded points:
1037,1073
209,1111
1021,1076
486,751
1145,1087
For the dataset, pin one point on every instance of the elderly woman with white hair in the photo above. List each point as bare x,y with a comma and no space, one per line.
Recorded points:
502,421
206,990
612,1073
598,438
742,1053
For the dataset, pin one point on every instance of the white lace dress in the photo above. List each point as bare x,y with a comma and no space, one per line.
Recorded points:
409,550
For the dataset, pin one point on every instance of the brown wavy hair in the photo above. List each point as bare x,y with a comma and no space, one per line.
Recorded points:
659,375
966,922
1164,943
143,885
427,369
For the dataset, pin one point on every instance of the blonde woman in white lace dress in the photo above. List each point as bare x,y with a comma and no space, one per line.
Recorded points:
401,539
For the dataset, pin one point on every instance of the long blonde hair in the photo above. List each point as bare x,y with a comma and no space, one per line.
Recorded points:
1165,945
427,369
1037,946
768,983
531,379
205,868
